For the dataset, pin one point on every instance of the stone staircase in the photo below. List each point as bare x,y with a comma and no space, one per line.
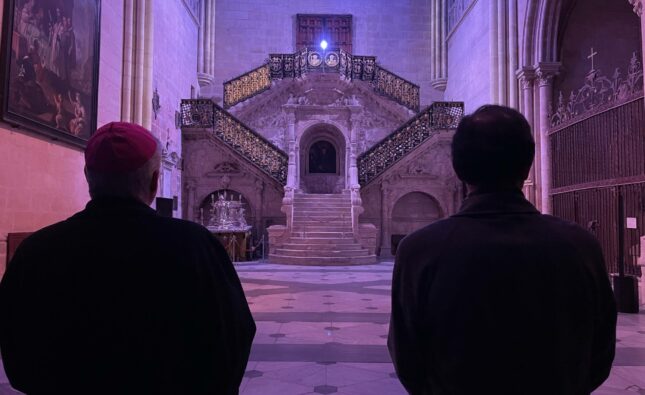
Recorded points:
322,233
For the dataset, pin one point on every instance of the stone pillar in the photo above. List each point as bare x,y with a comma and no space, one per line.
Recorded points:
526,76
439,61
545,72
136,90
206,44
292,170
386,246
190,201
356,114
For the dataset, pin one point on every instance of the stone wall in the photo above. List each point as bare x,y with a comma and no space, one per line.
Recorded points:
426,171
174,78
397,32
209,166
42,181
613,44
469,58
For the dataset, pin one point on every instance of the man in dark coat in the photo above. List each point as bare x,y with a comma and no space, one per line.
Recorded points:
117,299
500,299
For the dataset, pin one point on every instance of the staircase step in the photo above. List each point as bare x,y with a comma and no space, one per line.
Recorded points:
322,247
322,253
323,228
322,240
322,234
322,261
308,221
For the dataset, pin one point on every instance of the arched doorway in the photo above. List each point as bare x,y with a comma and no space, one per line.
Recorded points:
411,212
322,160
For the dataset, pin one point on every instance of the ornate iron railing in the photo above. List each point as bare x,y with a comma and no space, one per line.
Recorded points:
203,113
599,93
352,67
397,88
384,154
247,85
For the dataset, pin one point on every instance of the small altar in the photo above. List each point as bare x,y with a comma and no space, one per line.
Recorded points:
228,223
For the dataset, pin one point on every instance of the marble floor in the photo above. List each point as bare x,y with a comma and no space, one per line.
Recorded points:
323,330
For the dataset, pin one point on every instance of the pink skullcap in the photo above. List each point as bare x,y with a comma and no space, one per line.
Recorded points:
119,147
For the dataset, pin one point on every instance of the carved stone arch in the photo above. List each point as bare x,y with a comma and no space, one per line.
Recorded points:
398,193
322,183
542,30
306,125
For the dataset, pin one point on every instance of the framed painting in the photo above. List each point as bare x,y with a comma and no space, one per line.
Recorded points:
50,73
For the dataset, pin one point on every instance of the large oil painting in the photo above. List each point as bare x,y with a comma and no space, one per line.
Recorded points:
50,70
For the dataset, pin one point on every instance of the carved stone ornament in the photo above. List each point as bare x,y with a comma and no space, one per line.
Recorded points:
226,168
545,78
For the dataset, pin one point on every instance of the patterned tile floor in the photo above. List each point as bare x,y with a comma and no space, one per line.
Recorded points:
323,330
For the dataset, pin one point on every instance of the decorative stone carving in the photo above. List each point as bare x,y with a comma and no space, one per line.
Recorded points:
545,78
226,168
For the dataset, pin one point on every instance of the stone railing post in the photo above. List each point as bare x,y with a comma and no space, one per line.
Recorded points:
354,186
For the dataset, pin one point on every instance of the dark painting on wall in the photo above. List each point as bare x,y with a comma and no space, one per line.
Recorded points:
50,71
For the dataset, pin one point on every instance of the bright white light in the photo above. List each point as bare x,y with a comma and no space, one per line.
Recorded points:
323,44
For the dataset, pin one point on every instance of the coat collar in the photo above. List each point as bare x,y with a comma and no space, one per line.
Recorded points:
497,202
118,204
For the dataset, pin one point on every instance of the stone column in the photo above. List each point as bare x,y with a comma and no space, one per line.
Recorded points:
526,76
136,90
545,72
439,61
206,44
386,246
356,114
292,170
190,201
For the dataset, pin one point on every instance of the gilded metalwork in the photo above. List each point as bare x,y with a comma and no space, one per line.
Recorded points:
247,85
200,113
439,116
599,93
196,113
334,60
397,88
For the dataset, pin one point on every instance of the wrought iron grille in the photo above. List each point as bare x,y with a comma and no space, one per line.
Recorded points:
333,60
397,88
438,116
599,93
199,113
247,85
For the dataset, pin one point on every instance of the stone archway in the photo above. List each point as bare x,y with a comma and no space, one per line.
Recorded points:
411,212
322,160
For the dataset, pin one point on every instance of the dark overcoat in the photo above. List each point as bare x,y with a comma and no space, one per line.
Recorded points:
500,299
117,299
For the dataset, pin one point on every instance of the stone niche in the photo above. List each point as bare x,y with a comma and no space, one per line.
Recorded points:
417,191
211,167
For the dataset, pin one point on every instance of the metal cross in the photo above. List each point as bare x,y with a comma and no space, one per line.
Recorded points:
591,57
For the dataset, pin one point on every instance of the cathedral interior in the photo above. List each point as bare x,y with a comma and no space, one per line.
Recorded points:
311,137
